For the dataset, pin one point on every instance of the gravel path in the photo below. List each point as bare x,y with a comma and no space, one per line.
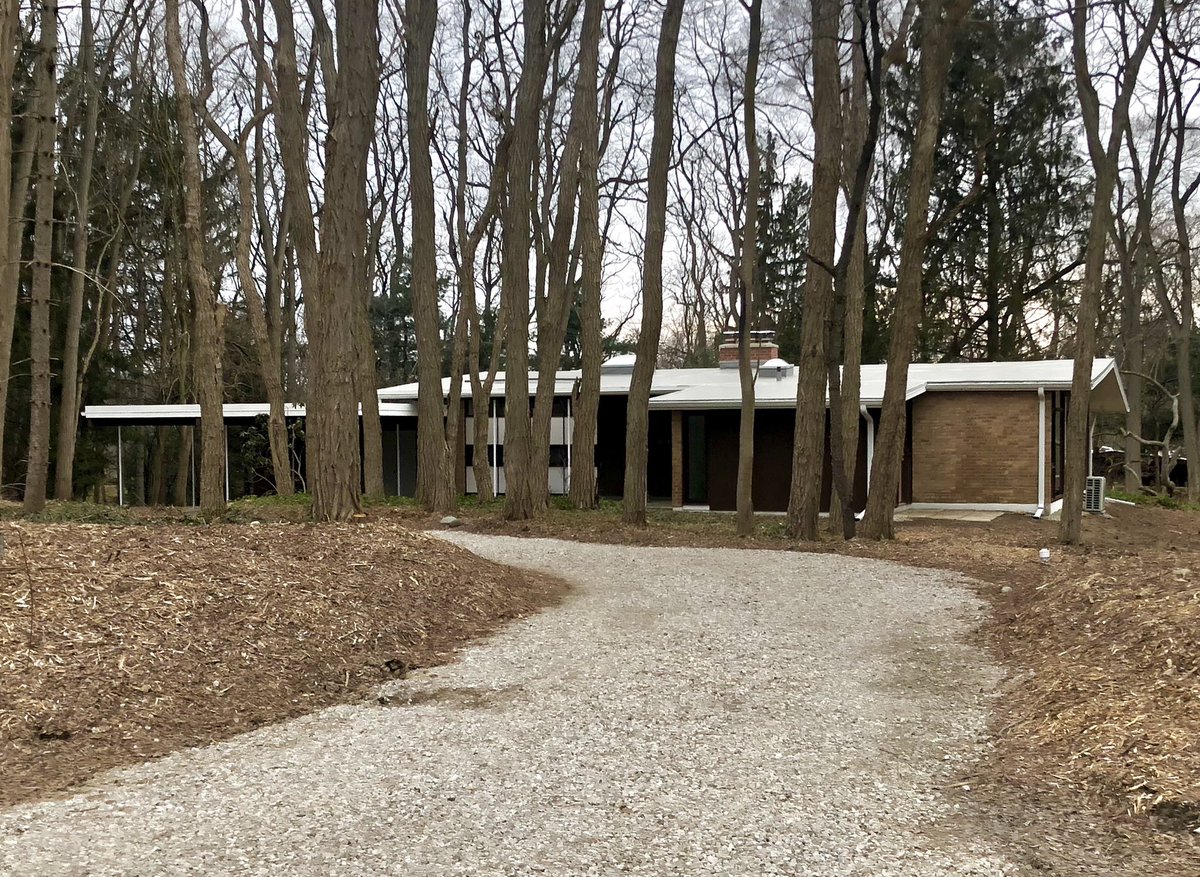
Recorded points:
686,712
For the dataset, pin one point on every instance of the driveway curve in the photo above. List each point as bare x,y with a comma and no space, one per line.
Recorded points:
685,712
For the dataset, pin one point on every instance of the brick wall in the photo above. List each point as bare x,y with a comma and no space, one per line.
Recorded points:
977,447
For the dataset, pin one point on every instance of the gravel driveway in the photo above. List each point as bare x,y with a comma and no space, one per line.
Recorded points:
686,712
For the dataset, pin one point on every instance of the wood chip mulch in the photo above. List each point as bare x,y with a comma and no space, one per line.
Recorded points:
120,643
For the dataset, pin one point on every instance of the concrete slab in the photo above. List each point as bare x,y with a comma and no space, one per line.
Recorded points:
970,515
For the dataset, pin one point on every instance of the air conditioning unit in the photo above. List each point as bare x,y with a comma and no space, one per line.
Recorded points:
1093,495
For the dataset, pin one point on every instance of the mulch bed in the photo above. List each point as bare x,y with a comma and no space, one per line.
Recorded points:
121,643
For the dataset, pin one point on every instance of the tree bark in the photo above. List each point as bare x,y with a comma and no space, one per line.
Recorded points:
939,25
206,372
43,244
435,471
14,190
555,309
637,427
68,413
1104,164
748,268
808,449
519,502
586,401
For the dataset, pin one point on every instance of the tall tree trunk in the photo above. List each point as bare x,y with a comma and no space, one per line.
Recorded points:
206,370
748,266
68,413
586,402
435,471
637,429
939,25
808,449
333,307
43,245
14,185
265,342
859,143
1104,164
556,307
519,502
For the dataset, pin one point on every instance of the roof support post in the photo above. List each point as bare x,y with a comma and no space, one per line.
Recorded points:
227,464
1041,458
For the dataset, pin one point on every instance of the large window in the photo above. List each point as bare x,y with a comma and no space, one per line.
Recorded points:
1058,431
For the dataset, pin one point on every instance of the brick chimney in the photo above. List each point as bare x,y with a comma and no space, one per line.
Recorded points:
762,347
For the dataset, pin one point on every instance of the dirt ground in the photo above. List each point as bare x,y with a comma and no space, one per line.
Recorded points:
122,643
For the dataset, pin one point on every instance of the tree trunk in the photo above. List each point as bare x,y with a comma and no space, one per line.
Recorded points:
553,319
855,295
266,343
206,370
14,190
808,449
435,471
1104,164
637,429
68,413
939,25
519,502
586,401
43,243
331,305
748,265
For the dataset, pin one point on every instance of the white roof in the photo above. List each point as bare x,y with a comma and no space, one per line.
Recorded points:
231,411
780,392
703,388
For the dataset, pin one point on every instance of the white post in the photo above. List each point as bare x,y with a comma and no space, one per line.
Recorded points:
226,464
1041,469
120,471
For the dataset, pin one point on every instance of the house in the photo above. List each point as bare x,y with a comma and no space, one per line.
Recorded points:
983,435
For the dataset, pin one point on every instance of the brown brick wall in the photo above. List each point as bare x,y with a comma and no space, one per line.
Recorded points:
976,447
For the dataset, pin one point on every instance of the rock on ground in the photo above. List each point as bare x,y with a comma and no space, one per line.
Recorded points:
686,712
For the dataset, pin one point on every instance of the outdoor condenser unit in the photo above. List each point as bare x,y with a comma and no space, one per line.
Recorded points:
1093,495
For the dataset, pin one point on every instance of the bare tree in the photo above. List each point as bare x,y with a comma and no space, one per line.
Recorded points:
1104,156
43,242
14,189
808,450
940,21
208,317
587,397
332,307
435,474
748,265
638,412
519,502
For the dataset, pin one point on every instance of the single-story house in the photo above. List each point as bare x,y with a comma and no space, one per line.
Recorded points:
983,435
